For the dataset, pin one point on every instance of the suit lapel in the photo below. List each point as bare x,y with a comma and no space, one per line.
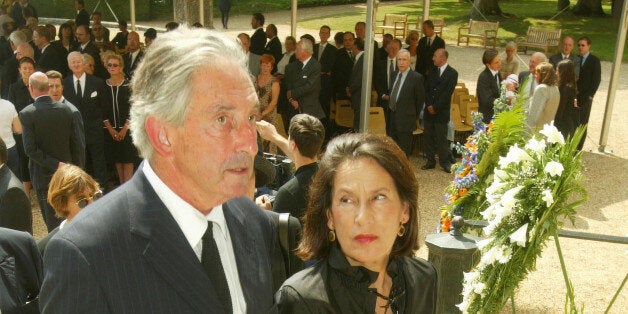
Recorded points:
165,248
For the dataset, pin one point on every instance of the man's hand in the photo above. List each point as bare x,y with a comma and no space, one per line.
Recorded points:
266,130
263,201
385,97
431,110
294,103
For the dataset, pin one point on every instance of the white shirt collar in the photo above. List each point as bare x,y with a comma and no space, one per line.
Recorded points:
493,72
306,61
358,55
442,68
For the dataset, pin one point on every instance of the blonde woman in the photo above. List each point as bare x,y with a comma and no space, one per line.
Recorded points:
546,97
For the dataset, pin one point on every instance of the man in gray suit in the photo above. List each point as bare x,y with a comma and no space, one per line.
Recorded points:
304,81
252,59
48,141
178,237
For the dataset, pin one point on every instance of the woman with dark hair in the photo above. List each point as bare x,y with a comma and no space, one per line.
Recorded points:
567,116
488,83
66,38
546,97
267,88
20,97
362,226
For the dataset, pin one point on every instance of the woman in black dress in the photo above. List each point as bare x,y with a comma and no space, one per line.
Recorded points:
20,97
119,146
568,115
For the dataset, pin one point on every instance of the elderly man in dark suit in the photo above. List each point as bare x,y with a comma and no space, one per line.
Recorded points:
181,236
442,82
47,134
565,53
134,54
428,44
15,207
589,81
304,81
488,83
86,93
20,272
325,53
405,102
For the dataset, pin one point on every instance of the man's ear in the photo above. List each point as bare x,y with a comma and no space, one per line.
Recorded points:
157,132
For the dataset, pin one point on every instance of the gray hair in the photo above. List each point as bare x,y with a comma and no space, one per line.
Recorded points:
307,45
87,57
161,83
403,50
511,45
17,37
74,54
541,57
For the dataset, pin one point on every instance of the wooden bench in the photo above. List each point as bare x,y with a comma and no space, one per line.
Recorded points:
539,38
487,31
395,23
439,24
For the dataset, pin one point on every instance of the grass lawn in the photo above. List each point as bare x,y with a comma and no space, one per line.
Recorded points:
602,31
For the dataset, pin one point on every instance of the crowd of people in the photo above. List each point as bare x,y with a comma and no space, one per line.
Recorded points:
183,228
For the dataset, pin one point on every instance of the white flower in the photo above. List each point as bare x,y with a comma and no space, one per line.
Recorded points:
504,254
554,168
536,146
509,201
515,155
552,134
478,288
490,256
548,198
501,175
471,276
464,306
519,236
483,243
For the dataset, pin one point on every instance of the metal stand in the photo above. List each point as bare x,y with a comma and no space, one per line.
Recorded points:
108,6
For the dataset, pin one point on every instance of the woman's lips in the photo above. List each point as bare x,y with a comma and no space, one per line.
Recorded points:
365,238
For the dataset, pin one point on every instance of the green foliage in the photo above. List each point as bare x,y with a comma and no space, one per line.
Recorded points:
122,9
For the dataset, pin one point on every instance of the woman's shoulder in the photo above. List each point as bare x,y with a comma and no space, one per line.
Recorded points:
418,269
304,290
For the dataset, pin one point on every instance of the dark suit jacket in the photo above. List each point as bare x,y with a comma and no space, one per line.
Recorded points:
8,75
273,47
424,54
20,272
90,105
19,95
47,134
327,60
52,59
92,50
355,83
487,92
342,72
590,77
16,13
78,128
409,103
127,253
129,67
258,41
381,80
572,56
82,18
439,94
305,86
15,207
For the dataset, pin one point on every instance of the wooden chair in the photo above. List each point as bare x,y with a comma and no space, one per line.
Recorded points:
374,98
395,23
280,126
460,85
458,92
377,121
463,101
417,136
471,107
456,119
344,113
486,31
545,39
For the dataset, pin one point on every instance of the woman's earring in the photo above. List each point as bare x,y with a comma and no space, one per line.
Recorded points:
402,230
331,236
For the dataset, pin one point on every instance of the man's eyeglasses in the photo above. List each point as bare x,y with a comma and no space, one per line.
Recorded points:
88,200
112,65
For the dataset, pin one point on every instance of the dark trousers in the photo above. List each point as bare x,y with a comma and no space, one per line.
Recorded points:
95,163
327,87
404,140
13,160
584,103
225,19
46,210
436,143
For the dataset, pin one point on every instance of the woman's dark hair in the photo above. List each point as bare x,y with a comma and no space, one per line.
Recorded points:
489,55
26,60
351,147
566,73
62,27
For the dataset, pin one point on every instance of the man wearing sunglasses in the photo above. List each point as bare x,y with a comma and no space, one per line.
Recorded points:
179,237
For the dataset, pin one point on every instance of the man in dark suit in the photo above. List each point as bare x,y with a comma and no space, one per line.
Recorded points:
589,81
325,53
17,12
47,134
304,81
15,207
360,33
50,57
565,53
427,46
384,72
258,40
82,17
86,45
354,88
405,102
86,93
20,272
488,84
134,55
343,66
386,39
273,46
180,235
97,18
442,82
9,72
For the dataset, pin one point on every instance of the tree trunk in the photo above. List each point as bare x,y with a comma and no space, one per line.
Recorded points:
191,12
616,8
588,8
178,9
484,8
562,4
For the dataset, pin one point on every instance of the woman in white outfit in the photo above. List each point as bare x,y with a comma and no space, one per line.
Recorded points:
546,97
